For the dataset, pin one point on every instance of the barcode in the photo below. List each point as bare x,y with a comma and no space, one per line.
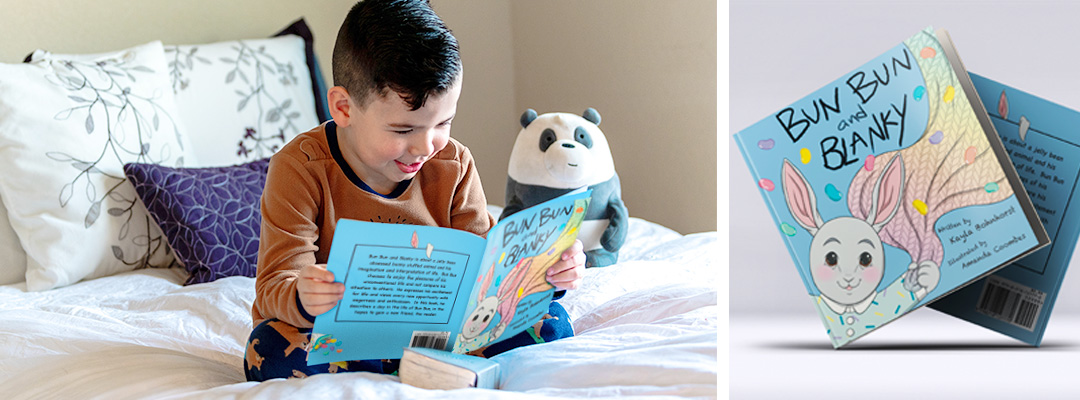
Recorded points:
1011,302
430,339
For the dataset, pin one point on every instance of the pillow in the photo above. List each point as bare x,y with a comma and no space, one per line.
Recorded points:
318,84
211,216
12,255
244,99
68,124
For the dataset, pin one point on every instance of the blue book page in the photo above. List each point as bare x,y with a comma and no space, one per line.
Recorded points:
890,187
512,293
404,284
1043,141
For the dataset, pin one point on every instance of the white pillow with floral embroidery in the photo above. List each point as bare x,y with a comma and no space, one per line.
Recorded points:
68,124
242,100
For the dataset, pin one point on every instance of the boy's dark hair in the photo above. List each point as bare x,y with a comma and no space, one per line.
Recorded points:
401,45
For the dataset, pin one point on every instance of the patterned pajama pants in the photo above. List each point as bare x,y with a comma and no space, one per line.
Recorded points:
276,349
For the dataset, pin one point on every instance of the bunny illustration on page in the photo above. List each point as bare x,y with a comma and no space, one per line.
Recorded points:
847,257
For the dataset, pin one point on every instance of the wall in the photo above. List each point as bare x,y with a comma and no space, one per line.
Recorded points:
649,67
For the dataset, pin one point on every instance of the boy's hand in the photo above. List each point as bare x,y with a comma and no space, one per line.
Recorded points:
566,273
317,290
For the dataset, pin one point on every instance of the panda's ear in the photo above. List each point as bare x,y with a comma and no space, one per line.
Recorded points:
528,117
591,115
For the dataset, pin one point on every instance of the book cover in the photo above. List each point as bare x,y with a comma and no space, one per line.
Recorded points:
423,286
1042,140
890,187
443,370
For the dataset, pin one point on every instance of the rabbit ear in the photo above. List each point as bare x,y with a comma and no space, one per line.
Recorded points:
485,284
888,193
800,198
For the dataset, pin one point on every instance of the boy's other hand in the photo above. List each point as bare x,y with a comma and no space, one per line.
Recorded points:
566,273
317,290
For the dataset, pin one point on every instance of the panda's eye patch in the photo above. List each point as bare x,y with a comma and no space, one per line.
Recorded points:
582,136
547,139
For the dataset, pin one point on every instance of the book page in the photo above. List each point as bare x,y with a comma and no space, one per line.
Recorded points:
404,285
512,292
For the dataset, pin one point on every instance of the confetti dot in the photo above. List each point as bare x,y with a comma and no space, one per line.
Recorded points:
969,155
991,187
415,240
787,229
766,144
919,92
869,163
937,137
521,291
498,281
927,52
766,184
502,257
579,210
950,92
920,206
804,154
338,350
332,341
831,191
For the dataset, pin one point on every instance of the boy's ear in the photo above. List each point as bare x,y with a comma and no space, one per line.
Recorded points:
341,105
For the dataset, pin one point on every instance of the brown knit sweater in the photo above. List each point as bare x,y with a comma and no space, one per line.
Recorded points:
309,187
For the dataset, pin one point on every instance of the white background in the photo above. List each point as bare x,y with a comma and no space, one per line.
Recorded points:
781,51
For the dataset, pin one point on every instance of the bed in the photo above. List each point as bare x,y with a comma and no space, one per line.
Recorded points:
110,290
644,327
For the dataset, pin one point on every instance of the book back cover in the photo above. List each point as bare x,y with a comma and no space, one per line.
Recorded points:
1041,139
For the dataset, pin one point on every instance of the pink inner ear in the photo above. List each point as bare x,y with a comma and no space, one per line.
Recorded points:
798,196
889,193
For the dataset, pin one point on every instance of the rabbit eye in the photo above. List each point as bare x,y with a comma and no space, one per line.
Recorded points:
865,259
831,259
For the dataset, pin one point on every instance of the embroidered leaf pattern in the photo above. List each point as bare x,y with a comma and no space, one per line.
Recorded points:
122,121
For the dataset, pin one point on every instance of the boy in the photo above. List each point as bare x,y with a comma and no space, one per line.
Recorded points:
387,156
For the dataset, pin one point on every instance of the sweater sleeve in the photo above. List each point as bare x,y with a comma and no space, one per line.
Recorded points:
469,206
287,242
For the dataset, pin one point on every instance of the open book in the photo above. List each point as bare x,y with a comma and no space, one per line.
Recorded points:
891,187
441,288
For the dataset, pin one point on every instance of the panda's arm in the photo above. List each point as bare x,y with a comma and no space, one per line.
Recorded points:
618,224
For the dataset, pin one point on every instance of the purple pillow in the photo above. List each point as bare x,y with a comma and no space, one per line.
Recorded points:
210,216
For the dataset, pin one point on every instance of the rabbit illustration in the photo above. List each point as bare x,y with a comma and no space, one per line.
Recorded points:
847,257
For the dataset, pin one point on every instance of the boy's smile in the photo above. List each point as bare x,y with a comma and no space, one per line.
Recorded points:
385,143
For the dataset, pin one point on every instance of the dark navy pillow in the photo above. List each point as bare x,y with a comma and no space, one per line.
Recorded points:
210,216
318,84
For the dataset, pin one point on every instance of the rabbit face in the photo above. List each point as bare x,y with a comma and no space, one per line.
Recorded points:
480,318
847,260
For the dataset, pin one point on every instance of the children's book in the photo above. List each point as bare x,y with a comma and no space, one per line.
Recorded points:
441,288
442,370
1043,140
891,187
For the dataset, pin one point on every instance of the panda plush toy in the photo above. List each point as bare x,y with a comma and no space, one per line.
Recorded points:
556,153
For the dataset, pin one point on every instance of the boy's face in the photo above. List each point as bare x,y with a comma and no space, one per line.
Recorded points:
386,143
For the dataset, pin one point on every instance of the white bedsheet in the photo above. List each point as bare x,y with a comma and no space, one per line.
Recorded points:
645,327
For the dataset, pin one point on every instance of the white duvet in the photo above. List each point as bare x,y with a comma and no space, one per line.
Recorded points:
644,327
